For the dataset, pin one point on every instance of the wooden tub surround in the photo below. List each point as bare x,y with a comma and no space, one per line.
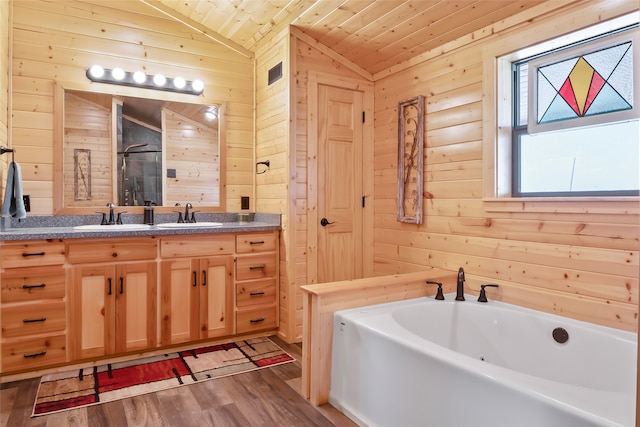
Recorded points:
321,301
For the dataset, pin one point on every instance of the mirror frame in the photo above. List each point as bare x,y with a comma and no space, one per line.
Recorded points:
58,151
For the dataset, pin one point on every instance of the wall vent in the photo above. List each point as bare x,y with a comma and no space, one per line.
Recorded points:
275,73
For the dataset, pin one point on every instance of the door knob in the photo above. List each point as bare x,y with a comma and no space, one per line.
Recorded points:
324,222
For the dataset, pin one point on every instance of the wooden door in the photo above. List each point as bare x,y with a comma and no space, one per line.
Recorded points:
179,311
136,315
340,211
216,296
92,305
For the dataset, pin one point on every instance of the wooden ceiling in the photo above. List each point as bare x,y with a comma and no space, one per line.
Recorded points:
375,35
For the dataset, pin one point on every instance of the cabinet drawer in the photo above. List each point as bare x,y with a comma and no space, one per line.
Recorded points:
195,246
32,254
30,284
18,355
256,266
256,319
30,319
256,292
256,242
109,251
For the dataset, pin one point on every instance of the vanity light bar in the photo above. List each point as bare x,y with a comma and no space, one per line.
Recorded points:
118,76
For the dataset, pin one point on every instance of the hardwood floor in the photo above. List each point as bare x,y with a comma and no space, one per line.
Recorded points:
267,397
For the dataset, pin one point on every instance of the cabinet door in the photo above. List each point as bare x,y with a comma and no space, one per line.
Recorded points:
136,315
92,311
216,296
179,310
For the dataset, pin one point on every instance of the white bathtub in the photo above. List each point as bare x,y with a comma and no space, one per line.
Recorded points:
424,362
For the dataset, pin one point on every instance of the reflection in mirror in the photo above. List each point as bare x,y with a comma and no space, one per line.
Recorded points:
129,150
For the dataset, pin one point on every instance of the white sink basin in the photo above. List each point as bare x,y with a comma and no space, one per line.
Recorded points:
114,227
188,224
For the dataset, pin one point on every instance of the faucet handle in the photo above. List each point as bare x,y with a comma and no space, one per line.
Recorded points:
439,295
119,217
103,221
180,220
483,294
193,216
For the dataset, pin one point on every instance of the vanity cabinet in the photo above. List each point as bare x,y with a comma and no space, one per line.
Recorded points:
256,281
33,304
64,301
197,288
113,296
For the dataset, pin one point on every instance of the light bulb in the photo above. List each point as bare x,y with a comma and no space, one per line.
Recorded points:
211,114
139,77
179,82
159,80
96,71
117,73
197,85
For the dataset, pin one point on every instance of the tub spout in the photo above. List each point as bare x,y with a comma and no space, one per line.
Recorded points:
460,287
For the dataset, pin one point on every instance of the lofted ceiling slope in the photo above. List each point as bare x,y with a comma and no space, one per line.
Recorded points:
375,35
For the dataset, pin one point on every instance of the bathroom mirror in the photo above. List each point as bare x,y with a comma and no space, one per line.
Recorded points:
128,150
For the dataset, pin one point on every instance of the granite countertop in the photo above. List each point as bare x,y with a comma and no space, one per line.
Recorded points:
63,227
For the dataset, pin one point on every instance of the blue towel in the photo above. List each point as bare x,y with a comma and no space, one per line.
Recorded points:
13,205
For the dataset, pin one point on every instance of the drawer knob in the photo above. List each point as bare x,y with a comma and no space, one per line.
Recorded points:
258,320
28,254
28,355
255,294
257,267
41,285
42,319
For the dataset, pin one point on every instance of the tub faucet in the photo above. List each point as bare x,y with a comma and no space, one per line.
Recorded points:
460,287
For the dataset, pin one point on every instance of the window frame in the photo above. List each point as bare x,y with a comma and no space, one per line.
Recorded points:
497,122
518,129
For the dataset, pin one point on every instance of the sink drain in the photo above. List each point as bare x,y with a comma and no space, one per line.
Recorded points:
560,335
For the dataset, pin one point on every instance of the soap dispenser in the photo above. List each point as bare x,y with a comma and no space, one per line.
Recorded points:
148,211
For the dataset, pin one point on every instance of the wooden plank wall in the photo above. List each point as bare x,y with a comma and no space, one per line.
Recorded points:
192,150
273,191
307,58
579,261
83,120
54,42
281,138
5,87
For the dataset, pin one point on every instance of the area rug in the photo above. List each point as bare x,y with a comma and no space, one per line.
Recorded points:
89,386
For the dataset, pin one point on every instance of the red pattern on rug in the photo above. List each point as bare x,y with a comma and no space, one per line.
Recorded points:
141,374
81,387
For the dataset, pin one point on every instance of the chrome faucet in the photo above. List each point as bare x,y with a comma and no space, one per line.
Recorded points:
460,287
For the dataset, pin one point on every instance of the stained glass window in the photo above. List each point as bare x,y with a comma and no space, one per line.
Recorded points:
597,83
580,84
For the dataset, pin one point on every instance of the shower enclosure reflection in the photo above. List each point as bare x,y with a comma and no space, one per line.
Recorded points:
139,162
